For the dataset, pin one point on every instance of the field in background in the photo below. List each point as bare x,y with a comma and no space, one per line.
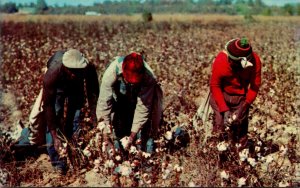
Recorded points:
137,17
180,49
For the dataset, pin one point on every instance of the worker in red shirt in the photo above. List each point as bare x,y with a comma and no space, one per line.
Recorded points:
234,84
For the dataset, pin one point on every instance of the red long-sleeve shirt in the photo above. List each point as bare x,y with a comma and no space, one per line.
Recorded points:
243,82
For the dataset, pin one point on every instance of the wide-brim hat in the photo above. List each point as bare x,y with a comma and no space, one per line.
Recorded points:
133,68
74,59
238,48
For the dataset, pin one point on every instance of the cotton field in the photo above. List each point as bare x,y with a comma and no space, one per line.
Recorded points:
180,50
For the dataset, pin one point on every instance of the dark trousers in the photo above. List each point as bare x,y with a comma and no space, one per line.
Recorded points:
71,125
123,114
234,102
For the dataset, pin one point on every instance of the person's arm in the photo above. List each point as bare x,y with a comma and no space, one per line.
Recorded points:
104,104
51,78
255,81
216,82
92,87
143,106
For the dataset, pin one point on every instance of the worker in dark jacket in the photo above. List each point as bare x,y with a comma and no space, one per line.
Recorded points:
234,84
68,73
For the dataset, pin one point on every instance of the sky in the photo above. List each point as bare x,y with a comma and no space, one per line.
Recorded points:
91,2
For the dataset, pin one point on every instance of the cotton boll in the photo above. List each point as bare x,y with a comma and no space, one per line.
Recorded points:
191,184
109,164
259,143
269,159
222,146
178,168
168,135
125,141
125,170
135,163
283,184
133,150
101,125
166,174
241,181
104,146
244,154
257,149
224,175
233,117
251,161
146,155
3,177
283,150
87,152
118,158
96,162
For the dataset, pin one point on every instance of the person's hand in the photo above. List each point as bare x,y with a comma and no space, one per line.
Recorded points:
57,144
240,113
126,142
228,118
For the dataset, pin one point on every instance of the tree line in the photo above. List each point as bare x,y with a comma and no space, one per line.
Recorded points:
230,7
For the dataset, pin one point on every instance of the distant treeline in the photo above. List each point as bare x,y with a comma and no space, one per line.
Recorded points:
236,7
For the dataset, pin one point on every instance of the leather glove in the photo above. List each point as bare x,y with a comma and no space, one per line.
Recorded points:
240,113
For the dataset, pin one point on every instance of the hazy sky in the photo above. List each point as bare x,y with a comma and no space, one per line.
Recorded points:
91,2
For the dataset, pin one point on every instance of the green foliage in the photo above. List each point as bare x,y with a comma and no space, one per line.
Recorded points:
288,9
267,12
230,7
41,6
147,16
9,8
249,18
